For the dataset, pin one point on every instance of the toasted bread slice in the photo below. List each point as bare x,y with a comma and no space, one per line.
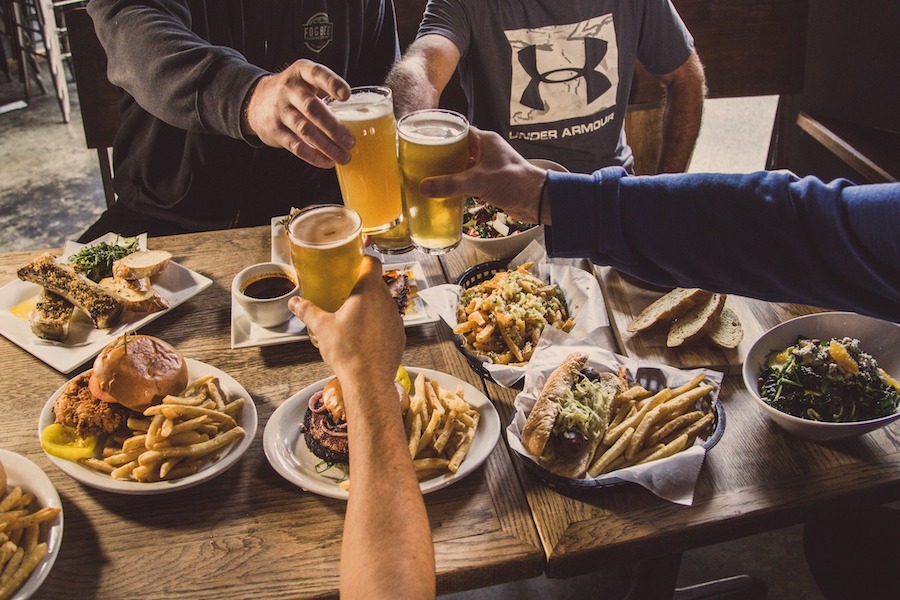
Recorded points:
140,264
140,298
102,307
694,325
726,331
668,307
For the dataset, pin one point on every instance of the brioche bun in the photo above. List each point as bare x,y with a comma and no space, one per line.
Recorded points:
138,372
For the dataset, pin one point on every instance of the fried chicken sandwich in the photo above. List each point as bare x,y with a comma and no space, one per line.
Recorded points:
130,374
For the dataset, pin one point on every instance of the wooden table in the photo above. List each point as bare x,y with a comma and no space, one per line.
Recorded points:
757,478
249,533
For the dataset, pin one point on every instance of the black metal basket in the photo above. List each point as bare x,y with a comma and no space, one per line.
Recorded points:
470,277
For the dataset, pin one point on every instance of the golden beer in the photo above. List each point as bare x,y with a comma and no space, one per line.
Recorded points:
432,142
370,182
327,252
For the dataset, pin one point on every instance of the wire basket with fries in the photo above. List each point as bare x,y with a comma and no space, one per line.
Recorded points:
664,412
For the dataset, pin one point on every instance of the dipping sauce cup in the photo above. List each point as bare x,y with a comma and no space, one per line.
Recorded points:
432,142
370,182
263,291
327,252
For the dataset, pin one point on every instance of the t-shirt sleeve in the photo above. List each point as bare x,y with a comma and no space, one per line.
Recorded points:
665,40
449,18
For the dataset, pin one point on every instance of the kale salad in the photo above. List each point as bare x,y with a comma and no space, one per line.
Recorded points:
831,380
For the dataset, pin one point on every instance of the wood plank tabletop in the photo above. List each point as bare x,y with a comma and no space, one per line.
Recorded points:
756,478
248,532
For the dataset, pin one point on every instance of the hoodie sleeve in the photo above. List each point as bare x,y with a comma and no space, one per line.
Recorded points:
169,70
767,235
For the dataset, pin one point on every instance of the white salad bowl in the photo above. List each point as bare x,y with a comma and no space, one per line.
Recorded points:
881,339
509,246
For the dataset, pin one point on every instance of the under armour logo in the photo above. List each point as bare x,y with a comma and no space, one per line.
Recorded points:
597,83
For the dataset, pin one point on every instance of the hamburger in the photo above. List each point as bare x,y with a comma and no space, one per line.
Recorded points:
569,418
129,375
325,423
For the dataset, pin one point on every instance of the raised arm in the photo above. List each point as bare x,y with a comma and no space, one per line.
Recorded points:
419,78
191,84
685,90
767,235
386,550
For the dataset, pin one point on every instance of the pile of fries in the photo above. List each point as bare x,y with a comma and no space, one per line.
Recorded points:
20,529
503,318
176,438
440,427
646,426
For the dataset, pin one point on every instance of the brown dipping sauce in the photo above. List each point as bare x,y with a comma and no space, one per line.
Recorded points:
268,285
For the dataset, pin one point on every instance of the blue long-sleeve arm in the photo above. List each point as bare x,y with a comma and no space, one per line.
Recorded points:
767,235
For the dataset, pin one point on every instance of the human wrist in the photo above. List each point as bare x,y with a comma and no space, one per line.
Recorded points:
247,128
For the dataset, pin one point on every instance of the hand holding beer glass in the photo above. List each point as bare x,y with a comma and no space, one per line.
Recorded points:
327,252
370,182
432,142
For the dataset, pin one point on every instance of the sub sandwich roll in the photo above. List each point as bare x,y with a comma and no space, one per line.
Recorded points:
568,420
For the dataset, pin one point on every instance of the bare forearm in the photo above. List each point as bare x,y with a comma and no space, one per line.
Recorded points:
411,86
681,117
387,550
420,77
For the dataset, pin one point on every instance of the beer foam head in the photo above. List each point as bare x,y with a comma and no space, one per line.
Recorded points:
363,105
324,226
433,127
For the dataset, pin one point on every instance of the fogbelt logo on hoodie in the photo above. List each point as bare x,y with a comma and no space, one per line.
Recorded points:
317,32
563,72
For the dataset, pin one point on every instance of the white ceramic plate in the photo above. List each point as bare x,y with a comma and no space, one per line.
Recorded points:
176,284
245,334
286,448
23,473
89,477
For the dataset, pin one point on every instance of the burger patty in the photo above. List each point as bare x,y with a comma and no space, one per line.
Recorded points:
77,408
317,431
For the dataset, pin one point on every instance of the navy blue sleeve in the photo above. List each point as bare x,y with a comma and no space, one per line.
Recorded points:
765,235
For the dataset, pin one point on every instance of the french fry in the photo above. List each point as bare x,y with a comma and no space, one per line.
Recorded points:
605,460
694,382
698,426
12,566
612,434
681,403
30,562
125,470
673,425
430,464
414,434
12,498
97,465
211,445
428,434
7,549
44,514
153,432
669,449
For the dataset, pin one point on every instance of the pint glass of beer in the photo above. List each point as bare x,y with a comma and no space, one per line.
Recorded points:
327,252
370,182
432,142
